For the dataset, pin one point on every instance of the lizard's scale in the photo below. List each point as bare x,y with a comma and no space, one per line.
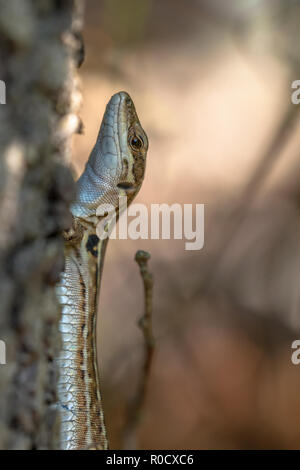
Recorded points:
115,168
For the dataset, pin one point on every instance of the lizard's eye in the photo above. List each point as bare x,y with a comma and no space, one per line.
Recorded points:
136,143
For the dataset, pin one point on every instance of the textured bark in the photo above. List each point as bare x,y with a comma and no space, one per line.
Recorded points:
38,57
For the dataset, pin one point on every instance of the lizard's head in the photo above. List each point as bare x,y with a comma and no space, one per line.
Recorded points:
121,146
133,144
117,163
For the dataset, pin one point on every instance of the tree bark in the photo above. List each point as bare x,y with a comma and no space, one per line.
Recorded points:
38,57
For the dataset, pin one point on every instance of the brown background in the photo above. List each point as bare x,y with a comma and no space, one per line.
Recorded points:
211,85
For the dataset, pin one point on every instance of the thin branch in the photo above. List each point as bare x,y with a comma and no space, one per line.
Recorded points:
135,410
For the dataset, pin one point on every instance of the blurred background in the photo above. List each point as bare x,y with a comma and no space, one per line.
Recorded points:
211,81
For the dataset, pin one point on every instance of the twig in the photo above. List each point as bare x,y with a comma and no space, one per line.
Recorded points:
145,323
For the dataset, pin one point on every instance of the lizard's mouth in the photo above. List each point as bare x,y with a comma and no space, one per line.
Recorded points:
128,187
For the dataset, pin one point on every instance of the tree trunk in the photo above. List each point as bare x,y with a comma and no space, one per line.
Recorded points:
38,57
